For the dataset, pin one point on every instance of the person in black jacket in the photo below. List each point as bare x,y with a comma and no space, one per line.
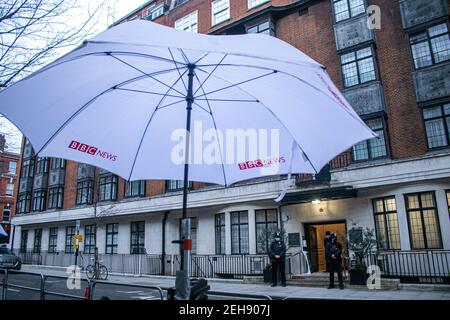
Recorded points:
333,253
277,254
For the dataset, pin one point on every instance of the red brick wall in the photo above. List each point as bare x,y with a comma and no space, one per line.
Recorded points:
405,125
5,179
313,34
70,185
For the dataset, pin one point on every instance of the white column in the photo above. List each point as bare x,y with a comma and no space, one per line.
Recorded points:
101,238
153,236
45,239
251,231
61,242
402,222
17,235
227,233
124,238
443,216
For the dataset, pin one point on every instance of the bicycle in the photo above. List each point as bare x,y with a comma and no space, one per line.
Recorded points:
97,270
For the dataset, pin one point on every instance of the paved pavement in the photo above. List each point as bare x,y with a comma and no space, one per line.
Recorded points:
234,286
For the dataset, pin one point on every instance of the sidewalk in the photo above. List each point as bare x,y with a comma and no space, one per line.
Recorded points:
235,286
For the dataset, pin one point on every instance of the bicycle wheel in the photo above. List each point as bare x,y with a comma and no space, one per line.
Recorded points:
103,272
90,272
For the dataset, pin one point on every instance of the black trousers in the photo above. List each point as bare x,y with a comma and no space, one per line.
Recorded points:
278,265
335,267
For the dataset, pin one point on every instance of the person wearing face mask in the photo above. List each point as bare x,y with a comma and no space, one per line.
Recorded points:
333,253
277,254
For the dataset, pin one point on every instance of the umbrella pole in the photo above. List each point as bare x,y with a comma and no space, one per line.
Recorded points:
183,286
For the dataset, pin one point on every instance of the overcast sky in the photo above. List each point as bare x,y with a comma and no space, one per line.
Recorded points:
117,10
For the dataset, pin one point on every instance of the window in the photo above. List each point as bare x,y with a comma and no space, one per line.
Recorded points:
90,239
70,234
23,241
24,203
38,201
358,67
10,190
84,192
179,2
137,237
52,240
239,232
264,27
220,11
175,185
424,231
220,233
27,168
112,235
42,165
188,23
254,3
437,125
155,12
12,167
266,225
58,163
431,46
6,212
345,9
448,201
37,240
373,148
55,198
386,223
108,188
135,189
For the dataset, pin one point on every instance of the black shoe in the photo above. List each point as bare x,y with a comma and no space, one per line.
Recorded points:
273,285
330,287
341,287
283,285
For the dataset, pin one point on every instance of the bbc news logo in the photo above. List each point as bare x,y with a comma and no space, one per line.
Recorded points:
93,151
260,163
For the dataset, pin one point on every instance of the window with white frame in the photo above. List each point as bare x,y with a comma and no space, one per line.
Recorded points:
220,11
12,167
254,3
157,11
6,213
345,9
188,23
10,189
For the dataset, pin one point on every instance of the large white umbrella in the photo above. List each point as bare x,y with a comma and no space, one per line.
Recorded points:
120,100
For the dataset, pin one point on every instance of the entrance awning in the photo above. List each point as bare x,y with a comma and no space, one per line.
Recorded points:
320,194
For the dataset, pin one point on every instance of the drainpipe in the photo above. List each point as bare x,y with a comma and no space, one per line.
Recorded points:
163,251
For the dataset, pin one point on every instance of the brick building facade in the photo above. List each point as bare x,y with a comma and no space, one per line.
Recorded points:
396,77
9,166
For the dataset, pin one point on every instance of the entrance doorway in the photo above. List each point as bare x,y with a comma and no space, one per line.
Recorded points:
315,236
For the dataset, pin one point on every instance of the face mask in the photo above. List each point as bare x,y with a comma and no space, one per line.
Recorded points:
277,239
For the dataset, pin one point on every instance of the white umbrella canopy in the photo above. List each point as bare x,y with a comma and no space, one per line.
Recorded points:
119,102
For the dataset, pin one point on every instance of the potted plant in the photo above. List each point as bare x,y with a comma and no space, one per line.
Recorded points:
361,242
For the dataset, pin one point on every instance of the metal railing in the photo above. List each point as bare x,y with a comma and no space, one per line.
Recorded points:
207,266
42,283
427,266
89,290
